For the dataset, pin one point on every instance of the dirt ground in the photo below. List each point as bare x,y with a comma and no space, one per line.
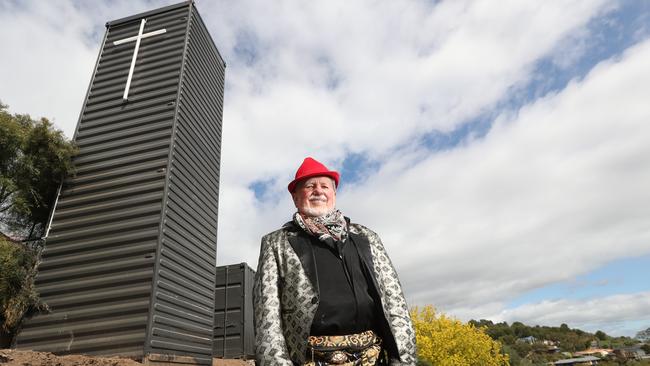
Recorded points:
12,357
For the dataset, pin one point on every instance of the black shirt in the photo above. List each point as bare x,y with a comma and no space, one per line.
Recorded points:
346,303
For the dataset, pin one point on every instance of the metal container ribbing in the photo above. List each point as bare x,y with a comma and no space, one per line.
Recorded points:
233,312
182,317
115,244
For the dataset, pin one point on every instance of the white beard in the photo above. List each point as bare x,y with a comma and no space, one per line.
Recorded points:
316,211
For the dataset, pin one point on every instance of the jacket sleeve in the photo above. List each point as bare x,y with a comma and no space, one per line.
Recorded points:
398,313
270,345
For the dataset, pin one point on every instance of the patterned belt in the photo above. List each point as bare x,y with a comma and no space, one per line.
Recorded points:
361,349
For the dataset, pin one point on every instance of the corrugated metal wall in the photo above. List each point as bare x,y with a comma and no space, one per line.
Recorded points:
233,312
184,293
105,257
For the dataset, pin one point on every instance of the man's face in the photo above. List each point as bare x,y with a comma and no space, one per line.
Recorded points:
315,196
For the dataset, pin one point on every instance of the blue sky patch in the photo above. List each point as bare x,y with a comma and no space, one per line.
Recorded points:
477,127
622,276
261,189
246,48
356,167
608,36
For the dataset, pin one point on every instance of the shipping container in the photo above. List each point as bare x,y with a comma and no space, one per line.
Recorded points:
233,312
128,267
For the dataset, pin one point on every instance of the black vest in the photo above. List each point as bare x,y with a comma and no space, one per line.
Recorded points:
302,245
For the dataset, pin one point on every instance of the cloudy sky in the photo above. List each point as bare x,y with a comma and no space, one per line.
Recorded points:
501,149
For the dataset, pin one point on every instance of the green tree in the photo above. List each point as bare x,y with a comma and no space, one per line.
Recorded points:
520,330
18,297
601,335
513,355
34,159
444,341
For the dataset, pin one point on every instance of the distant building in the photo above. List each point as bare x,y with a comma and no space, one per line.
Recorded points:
633,352
589,360
551,346
529,340
602,352
553,349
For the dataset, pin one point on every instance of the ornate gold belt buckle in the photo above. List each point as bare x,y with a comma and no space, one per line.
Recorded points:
338,358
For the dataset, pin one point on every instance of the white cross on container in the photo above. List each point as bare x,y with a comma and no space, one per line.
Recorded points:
137,39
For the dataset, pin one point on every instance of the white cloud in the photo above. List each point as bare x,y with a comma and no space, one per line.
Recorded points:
554,190
609,314
429,67
402,68
46,65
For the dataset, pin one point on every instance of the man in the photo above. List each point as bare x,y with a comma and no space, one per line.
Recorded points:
325,291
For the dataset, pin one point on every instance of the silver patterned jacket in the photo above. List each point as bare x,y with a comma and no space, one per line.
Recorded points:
285,297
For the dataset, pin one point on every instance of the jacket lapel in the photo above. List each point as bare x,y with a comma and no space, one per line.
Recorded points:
363,248
301,244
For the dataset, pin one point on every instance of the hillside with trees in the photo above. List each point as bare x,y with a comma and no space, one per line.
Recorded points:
539,345
444,340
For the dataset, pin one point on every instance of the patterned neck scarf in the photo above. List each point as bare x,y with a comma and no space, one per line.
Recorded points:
331,225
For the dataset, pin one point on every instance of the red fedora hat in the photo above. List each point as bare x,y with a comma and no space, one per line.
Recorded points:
312,168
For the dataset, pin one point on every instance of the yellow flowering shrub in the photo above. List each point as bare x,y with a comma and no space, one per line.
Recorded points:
445,341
